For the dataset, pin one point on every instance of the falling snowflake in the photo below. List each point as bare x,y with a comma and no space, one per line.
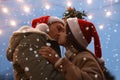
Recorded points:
10,50
83,37
72,46
107,59
115,55
96,76
47,30
4,44
61,66
94,31
80,32
115,30
97,45
23,53
35,52
47,62
1,56
24,31
108,35
7,68
11,62
37,39
30,49
26,59
46,78
36,55
117,60
3,49
87,28
116,25
41,73
24,36
30,77
74,54
56,55
16,59
21,79
48,44
26,69
69,33
92,26
84,58
50,54
16,49
61,70
108,39
36,46
107,42
7,74
38,60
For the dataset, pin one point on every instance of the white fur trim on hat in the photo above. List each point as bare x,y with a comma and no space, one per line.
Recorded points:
42,27
76,31
25,29
55,19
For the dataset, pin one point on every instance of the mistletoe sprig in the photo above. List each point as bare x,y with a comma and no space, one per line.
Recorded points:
72,12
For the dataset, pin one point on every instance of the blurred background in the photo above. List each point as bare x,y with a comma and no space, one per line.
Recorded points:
105,14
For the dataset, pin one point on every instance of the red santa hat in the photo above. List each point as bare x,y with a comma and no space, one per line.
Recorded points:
47,20
83,32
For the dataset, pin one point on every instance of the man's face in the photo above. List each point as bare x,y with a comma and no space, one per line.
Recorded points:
55,29
62,38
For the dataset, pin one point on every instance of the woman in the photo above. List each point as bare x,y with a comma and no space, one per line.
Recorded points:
79,63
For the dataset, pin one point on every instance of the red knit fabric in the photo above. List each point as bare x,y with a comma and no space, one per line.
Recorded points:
43,19
89,31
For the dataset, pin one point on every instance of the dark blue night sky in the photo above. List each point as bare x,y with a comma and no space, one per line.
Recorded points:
105,14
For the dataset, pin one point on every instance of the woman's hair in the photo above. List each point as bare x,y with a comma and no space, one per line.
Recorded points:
71,39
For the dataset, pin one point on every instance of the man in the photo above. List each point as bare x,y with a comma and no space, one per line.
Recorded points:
23,49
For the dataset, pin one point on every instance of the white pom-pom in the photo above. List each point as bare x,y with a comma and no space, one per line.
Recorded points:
43,27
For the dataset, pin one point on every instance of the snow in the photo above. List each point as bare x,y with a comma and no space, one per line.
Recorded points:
36,55
96,75
84,58
48,44
30,49
56,55
87,28
26,68
37,39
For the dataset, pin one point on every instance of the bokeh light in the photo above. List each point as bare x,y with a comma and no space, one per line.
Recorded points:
5,10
